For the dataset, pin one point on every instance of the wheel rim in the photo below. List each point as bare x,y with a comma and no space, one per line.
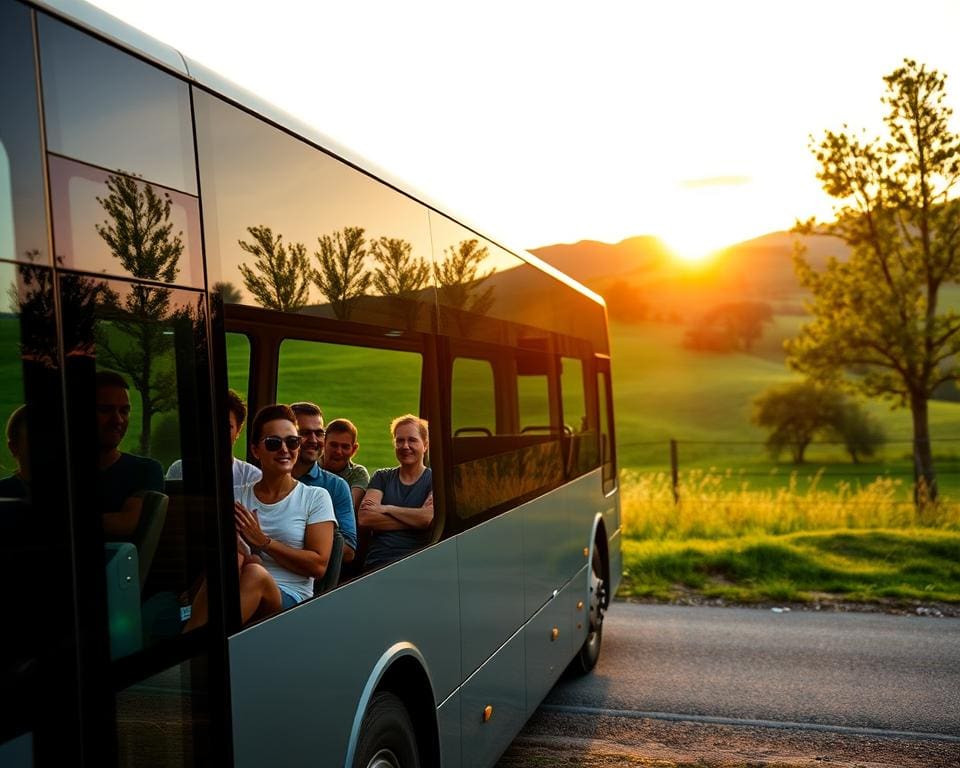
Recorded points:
598,597
384,759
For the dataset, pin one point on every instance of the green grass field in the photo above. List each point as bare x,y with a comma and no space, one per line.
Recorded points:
369,387
704,401
902,567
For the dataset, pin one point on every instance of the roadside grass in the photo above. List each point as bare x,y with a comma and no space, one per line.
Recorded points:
723,504
900,567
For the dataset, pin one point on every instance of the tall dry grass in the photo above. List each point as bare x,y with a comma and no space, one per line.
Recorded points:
716,504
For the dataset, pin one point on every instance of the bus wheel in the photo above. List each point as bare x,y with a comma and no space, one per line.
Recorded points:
387,738
586,659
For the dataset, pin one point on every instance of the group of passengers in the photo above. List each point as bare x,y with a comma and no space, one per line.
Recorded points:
310,486
286,510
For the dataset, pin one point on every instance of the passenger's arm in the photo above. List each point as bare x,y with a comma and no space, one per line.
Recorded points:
389,517
348,553
357,493
122,524
310,561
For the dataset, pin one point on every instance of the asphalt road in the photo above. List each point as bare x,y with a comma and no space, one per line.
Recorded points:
828,670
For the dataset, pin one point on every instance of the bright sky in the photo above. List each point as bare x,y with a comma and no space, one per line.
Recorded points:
548,121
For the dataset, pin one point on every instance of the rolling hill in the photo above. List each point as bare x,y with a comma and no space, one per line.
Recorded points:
758,270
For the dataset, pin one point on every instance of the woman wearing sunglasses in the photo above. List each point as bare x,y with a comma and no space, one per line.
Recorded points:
287,525
284,528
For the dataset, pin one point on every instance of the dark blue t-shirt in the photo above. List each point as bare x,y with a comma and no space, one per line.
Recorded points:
126,477
387,546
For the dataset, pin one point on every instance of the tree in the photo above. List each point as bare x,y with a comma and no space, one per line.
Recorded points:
399,274
283,281
458,279
859,432
139,233
795,414
342,276
728,327
879,312
229,293
624,302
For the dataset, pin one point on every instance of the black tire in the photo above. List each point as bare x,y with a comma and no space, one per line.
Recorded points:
589,653
387,738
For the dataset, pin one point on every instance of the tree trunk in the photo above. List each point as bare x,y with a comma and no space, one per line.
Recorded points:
925,488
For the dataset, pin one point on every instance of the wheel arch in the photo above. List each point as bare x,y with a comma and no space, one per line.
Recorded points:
402,670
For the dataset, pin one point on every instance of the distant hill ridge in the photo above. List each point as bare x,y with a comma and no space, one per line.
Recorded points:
760,269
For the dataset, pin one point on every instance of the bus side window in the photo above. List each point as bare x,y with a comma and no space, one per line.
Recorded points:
494,469
579,420
367,386
607,443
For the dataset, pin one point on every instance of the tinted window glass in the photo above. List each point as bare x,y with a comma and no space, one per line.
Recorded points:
498,468
291,228
35,532
110,223
480,283
138,370
109,109
472,397
533,398
607,445
164,720
23,234
476,282
579,420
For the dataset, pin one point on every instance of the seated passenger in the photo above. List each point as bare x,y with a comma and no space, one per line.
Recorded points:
309,472
243,472
123,477
339,447
17,485
398,504
284,528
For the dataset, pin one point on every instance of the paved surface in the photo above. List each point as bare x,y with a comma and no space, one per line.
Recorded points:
853,670
729,688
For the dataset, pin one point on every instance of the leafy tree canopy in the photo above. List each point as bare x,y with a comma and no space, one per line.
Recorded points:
342,276
280,275
879,324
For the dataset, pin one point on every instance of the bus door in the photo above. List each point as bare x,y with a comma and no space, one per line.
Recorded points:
106,346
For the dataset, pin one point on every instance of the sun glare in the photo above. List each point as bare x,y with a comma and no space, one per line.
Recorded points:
692,248
705,216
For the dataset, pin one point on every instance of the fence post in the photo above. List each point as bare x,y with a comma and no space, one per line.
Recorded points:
674,472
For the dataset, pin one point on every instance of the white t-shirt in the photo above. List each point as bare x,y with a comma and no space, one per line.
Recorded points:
287,521
243,472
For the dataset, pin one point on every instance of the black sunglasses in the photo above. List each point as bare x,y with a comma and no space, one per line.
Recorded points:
273,442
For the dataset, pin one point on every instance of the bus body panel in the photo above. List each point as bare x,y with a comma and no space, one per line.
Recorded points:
557,529
298,679
491,586
547,644
448,722
583,502
577,599
497,684
546,537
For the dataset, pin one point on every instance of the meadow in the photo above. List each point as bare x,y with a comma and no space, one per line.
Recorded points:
746,528
704,401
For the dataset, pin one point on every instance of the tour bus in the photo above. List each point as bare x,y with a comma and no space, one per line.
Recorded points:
162,226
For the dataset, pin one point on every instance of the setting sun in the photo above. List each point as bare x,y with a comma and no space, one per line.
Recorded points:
705,215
